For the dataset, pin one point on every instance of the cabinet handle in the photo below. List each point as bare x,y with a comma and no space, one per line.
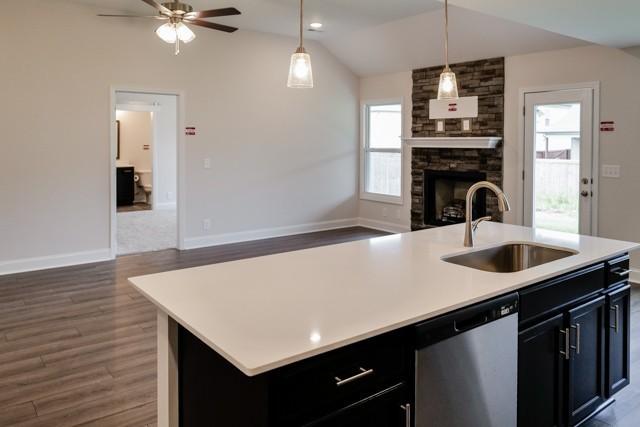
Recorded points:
363,373
566,353
407,414
577,346
620,272
616,309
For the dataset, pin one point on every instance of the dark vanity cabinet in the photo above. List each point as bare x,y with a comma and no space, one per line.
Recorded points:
573,345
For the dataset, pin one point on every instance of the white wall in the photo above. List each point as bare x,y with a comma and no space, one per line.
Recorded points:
619,74
135,132
393,86
280,157
165,140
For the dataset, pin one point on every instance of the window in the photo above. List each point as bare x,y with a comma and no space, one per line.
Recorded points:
382,153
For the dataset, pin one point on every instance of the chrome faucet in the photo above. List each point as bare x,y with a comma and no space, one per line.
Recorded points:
471,225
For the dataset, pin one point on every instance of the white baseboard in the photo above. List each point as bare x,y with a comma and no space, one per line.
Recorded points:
634,276
265,233
389,227
168,205
53,261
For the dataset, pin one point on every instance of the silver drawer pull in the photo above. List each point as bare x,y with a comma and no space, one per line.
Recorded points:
566,353
577,346
616,309
363,373
621,272
407,414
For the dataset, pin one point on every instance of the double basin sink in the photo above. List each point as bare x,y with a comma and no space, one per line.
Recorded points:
509,257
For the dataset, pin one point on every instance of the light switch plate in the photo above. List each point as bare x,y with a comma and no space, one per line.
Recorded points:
207,163
439,125
611,171
466,125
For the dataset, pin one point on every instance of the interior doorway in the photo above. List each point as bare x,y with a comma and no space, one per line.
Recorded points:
145,170
559,155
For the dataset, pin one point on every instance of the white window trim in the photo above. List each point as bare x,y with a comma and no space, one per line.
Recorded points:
364,131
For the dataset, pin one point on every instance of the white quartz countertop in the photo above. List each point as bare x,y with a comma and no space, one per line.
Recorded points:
267,312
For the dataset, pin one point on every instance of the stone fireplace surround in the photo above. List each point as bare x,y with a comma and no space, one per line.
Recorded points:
485,79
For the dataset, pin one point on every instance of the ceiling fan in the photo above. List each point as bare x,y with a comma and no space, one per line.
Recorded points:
178,14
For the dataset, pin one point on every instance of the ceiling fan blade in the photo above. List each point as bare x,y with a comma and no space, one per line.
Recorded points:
159,7
134,16
227,11
212,25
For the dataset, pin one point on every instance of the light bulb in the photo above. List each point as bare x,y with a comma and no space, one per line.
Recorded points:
448,88
300,71
167,32
184,33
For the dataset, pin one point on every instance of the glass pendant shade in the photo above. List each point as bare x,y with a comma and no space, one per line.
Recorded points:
300,71
171,32
448,88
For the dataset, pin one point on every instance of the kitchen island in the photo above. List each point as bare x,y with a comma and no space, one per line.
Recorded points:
282,314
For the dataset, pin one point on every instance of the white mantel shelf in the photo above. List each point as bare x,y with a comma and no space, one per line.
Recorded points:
454,142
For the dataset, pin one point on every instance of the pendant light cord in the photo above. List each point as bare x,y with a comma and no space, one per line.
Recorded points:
301,20
446,34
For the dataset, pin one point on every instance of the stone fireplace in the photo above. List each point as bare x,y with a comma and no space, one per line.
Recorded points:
441,176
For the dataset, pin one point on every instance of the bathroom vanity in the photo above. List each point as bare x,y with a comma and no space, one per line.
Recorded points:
332,336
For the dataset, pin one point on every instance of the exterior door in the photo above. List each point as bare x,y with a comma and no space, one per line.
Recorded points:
558,176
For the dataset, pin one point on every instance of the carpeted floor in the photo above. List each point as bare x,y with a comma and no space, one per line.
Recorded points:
146,231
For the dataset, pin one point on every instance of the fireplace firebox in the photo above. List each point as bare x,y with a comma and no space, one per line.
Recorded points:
445,193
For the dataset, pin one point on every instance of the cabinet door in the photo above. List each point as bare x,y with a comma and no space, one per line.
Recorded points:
540,374
587,356
618,336
388,409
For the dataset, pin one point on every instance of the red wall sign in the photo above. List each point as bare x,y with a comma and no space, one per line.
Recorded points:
190,130
609,126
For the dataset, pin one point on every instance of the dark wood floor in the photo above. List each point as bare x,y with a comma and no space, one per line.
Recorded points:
135,207
77,344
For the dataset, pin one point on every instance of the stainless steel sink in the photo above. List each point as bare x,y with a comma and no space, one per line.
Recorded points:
510,257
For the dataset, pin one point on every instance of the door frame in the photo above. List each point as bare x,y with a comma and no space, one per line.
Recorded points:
595,156
180,161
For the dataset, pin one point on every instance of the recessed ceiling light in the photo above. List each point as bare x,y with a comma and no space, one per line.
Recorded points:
316,25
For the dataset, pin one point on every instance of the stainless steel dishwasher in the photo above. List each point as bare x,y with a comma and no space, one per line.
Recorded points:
467,367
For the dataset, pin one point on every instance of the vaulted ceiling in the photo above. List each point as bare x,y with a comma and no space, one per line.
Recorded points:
380,36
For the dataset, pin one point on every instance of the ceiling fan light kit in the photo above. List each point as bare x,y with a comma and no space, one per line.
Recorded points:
179,14
300,71
448,87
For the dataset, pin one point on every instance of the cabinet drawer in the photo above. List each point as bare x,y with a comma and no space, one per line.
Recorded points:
556,293
618,270
340,378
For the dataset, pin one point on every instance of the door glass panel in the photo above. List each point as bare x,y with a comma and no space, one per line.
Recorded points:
557,167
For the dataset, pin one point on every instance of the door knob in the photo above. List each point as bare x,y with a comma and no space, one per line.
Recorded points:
584,193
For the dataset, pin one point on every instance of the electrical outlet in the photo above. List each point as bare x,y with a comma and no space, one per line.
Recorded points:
439,125
384,212
207,163
611,171
206,224
466,125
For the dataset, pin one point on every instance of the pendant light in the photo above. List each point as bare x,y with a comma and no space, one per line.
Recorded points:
300,72
448,87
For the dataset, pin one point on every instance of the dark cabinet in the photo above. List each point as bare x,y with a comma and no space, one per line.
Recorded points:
541,374
125,186
618,334
573,350
585,330
388,409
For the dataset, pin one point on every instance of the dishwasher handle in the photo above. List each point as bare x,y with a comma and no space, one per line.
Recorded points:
464,319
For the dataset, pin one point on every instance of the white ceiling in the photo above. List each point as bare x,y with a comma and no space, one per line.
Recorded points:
607,22
378,36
